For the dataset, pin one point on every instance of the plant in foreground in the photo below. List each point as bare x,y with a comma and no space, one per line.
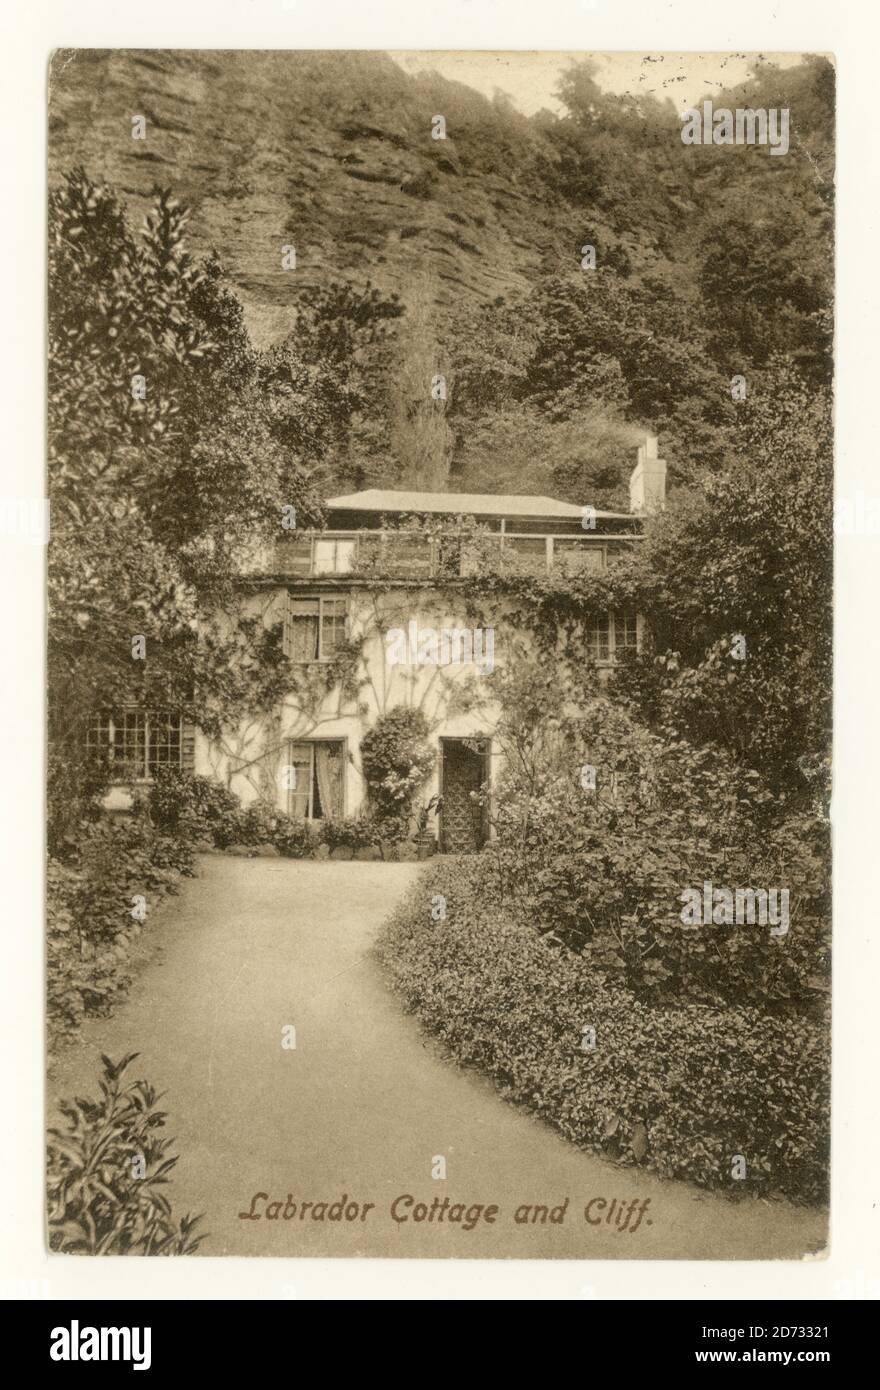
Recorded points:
105,1173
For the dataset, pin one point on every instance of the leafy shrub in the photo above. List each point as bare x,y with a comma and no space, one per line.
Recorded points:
749,554
396,760
350,832
75,782
295,839
89,914
81,977
604,865
688,1084
202,809
198,807
257,824
365,831
97,1203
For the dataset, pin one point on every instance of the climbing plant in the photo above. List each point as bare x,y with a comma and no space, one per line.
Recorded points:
396,760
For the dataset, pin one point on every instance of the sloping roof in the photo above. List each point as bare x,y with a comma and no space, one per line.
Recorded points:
466,503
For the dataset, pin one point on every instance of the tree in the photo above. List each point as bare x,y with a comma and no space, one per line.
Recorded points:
768,291
586,458
749,555
420,435
163,466
328,382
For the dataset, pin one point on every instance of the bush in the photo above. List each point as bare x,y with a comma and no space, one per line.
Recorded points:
350,832
295,839
101,1200
90,905
197,807
680,1088
396,760
200,809
603,861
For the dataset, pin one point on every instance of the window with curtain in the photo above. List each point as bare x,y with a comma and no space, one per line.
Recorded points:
318,793
315,628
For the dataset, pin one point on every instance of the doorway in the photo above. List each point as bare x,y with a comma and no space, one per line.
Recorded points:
464,769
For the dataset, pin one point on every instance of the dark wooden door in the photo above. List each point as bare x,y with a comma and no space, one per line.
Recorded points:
462,818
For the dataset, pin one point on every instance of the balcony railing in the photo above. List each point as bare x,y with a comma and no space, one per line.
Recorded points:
404,554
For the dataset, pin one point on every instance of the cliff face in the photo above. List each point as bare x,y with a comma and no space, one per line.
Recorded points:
714,260
329,152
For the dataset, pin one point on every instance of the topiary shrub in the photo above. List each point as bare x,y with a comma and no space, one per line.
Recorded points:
681,1088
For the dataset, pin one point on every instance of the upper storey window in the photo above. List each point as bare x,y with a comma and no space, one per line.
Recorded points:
402,553
315,628
333,554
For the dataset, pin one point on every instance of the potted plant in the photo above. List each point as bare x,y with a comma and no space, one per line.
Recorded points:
425,839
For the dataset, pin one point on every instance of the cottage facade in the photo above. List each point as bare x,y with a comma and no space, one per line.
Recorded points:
370,622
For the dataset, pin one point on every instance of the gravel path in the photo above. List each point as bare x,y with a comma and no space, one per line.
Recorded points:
363,1105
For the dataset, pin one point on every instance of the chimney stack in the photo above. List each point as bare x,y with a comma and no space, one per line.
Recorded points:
647,485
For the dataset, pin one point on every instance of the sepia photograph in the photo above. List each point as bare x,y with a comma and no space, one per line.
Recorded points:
439,653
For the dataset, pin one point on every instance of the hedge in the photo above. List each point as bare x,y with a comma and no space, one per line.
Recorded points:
680,1089
91,915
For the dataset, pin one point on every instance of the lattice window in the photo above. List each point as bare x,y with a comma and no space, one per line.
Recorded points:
626,633
136,742
611,634
600,637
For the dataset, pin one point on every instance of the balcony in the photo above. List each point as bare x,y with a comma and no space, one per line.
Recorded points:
404,554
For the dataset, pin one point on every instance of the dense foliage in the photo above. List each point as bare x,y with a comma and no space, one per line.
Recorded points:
709,260
168,459
175,444
396,760
601,826
99,896
750,556
105,1174
683,1088
206,815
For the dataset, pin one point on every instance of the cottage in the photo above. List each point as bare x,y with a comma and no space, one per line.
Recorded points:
370,622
